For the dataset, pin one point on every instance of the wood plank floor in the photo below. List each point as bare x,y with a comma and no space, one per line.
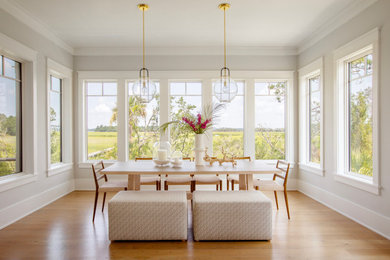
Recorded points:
63,230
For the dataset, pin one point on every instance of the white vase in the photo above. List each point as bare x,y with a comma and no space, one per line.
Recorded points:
199,149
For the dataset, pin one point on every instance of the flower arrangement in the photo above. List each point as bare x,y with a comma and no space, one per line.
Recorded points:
198,123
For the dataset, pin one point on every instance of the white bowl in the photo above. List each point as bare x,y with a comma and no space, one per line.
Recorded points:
176,163
161,162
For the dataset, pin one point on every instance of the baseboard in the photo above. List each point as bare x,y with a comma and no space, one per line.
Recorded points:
364,216
27,206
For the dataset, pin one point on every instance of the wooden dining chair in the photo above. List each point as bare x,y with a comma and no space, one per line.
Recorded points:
208,180
233,179
105,186
180,180
149,180
273,185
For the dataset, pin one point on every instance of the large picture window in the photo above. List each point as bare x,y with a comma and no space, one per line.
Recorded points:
144,121
228,130
101,109
55,119
10,116
270,98
357,112
185,98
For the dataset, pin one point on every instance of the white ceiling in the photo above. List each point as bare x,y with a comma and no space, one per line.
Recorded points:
183,23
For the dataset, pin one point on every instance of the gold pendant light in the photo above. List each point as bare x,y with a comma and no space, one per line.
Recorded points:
225,89
144,89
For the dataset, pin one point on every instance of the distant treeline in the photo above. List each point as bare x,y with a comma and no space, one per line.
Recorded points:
8,125
104,128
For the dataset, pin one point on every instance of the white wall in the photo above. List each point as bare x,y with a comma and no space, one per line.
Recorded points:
180,62
19,201
368,209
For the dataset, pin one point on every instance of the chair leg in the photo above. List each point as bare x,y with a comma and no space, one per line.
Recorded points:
285,198
193,186
220,185
227,182
156,185
257,187
216,187
232,182
276,199
94,207
104,200
165,185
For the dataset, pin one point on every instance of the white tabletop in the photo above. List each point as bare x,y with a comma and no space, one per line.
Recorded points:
148,167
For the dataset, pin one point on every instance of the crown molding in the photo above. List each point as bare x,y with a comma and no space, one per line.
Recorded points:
332,24
172,51
26,18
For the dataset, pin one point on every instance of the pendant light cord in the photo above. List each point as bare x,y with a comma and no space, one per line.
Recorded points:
143,38
224,36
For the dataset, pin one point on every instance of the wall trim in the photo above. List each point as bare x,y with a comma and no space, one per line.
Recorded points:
366,217
187,50
21,14
27,206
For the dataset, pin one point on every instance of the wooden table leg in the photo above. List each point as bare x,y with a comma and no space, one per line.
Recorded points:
249,181
242,181
133,182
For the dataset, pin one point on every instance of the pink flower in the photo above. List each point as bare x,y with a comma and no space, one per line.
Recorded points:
199,119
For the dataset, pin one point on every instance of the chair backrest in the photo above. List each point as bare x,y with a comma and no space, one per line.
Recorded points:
97,168
242,158
143,158
285,168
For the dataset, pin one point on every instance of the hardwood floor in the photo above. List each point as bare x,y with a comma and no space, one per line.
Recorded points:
64,230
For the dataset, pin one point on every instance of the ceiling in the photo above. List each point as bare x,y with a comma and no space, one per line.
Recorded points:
182,23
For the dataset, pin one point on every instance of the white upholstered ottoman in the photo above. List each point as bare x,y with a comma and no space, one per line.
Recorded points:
148,215
231,215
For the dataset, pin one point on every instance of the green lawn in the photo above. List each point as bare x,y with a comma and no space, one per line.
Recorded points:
98,141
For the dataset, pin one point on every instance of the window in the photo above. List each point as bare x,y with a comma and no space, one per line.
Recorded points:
270,99
228,132
311,126
55,119
360,115
314,120
185,98
101,109
357,112
10,116
144,121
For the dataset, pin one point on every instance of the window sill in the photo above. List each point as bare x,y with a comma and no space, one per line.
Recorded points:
59,168
311,168
15,180
357,182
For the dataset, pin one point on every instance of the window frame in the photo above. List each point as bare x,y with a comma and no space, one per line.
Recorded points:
29,59
365,44
65,74
306,73
85,95
288,117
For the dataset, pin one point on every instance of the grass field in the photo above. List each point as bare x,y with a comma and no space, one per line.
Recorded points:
98,141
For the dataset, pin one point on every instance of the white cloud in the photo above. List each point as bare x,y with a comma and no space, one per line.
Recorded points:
102,108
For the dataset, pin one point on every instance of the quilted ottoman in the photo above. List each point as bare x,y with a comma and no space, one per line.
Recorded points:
148,215
231,215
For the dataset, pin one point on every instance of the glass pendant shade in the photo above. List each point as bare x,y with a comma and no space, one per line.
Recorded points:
225,89
144,89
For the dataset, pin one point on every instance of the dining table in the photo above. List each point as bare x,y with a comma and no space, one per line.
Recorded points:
245,170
